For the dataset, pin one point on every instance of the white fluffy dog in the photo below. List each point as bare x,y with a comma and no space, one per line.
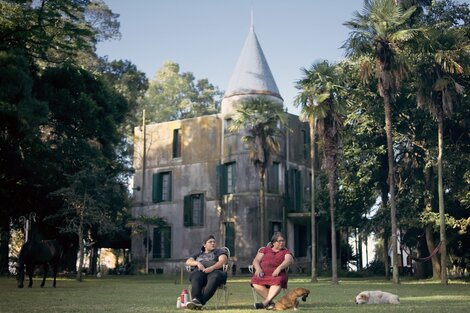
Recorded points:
377,297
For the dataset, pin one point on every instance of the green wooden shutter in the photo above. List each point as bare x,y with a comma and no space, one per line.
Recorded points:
286,190
203,209
162,242
221,179
298,191
234,176
217,180
291,191
306,139
230,237
170,187
187,211
273,178
156,188
166,242
156,251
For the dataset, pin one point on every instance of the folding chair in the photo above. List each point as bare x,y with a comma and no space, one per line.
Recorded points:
222,291
251,269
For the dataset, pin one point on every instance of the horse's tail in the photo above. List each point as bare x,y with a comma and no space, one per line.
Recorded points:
21,263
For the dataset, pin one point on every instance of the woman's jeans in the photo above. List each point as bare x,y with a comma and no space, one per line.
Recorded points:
204,286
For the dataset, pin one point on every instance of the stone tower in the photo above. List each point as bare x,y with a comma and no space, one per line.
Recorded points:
251,77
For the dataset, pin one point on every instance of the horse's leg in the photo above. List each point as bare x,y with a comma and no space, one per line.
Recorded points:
30,270
54,270
46,267
21,276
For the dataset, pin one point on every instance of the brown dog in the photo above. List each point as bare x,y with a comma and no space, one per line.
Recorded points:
292,299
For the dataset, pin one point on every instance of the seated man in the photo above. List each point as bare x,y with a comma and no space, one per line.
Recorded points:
208,274
270,274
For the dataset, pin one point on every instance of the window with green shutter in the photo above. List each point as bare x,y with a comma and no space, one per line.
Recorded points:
194,210
161,187
226,178
306,143
273,178
162,242
294,190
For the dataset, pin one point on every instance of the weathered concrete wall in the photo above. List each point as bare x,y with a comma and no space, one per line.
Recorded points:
194,172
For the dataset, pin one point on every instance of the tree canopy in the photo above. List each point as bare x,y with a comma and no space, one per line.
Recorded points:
173,95
61,138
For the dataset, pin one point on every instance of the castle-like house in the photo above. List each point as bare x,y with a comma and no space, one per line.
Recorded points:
198,176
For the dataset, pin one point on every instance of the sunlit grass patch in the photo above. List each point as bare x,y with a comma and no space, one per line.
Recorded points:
156,293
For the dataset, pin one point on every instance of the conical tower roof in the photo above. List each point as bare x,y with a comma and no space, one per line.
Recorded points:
252,75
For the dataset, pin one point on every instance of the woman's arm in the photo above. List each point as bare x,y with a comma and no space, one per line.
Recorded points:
288,260
257,264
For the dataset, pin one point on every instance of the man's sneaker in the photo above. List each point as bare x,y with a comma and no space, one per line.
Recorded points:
259,306
194,304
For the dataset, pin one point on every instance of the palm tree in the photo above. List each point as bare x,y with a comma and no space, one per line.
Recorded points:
378,36
306,100
444,57
322,104
261,120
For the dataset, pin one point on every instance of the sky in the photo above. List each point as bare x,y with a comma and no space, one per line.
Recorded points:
205,37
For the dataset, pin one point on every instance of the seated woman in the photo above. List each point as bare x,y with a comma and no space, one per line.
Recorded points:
208,273
270,266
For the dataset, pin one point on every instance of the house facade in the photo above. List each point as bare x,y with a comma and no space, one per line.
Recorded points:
198,176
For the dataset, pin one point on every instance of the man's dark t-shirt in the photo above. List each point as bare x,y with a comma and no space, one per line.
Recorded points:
208,259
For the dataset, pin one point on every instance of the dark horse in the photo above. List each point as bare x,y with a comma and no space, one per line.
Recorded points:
36,253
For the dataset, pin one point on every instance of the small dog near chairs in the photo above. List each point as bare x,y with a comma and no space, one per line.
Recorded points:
292,299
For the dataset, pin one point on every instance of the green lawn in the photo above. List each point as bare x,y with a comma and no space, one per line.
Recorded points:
158,294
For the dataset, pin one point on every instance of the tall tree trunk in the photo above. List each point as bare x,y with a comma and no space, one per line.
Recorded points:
313,218
386,235
440,190
366,239
429,181
147,248
384,199
418,266
436,266
391,183
262,209
339,254
332,196
81,245
359,251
